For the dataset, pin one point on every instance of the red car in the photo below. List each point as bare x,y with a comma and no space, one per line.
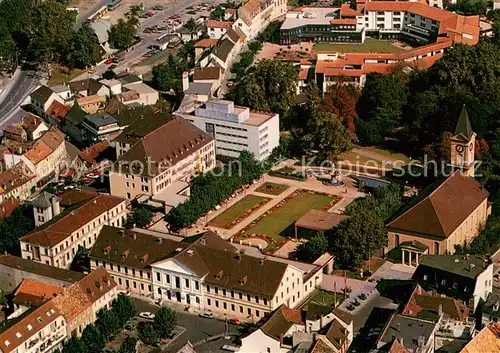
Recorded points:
234,321
109,61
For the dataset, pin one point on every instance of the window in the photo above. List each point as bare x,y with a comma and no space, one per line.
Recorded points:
249,311
210,129
133,272
159,291
241,309
443,282
177,282
257,299
208,288
223,292
216,290
126,270
196,285
257,313
248,298
265,301
455,285
135,284
217,303
158,276
209,301
425,277
224,305
241,296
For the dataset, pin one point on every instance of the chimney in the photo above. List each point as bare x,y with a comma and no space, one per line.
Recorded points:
56,209
401,341
185,81
440,309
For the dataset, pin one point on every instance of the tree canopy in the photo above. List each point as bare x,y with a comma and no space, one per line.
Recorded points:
168,77
84,48
19,223
122,34
218,13
164,322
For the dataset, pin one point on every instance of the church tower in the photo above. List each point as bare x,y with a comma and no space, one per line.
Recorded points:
463,144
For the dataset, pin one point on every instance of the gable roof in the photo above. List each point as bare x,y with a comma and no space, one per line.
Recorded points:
393,347
14,177
76,114
441,208
42,94
170,142
223,49
40,269
219,24
44,200
92,86
207,73
8,206
487,340
35,293
337,334
45,145
136,250
62,226
141,127
468,266
31,122
464,127
281,321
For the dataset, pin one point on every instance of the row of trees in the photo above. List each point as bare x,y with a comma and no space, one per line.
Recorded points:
210,189
109,322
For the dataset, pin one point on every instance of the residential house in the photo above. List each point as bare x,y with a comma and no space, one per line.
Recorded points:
15,132
78,225
34,293
173,152
216,29
64,316
90,104
43,158
8,206
114,86
255,15
56,113
72,125
466,278
487,340
203,45
147,95
100,127
42,98
89,87
18,182
227,48
45,207
30,128
14,269
491,309
212,75
235,128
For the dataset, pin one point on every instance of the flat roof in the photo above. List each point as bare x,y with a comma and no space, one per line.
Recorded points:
258,118
171,195
319,220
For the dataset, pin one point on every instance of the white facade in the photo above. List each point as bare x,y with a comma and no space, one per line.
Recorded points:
236,129
484,285
259,342
256,15
216,32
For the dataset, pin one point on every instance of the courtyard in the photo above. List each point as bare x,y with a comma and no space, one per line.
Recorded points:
370,45
239,211
277,223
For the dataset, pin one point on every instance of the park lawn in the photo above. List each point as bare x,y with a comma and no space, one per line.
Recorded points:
369,46
58,76
353,157
271,188
387,153
280,223
236,211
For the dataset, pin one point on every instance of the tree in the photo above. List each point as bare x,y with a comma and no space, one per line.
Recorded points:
164,322
93,339
19,223
380,106
191,26
124,309
132,15
168,77
74,345
147,333
218,13
186,54
141,216
51,33
312,249
270,85
340,100
83,50
122,34
107,322
255,46
440,151
128,346
324,132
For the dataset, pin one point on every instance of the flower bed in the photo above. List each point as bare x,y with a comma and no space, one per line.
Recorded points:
271,188
288,214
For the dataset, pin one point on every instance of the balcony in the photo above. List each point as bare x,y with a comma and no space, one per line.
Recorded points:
47,342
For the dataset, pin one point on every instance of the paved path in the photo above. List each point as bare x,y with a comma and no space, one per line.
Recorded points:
390,270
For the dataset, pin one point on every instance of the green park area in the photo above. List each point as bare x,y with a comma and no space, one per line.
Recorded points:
280,222
239,211
271,188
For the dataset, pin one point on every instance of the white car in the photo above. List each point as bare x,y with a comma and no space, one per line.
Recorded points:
147,315
207,315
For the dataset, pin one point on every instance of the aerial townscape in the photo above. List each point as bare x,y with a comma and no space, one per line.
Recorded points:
254,176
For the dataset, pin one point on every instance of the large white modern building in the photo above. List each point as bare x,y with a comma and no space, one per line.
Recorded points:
235,128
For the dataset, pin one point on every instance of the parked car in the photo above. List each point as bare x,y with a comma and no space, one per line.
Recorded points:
207,315
147,30
147,315
108,61
125,292
234,321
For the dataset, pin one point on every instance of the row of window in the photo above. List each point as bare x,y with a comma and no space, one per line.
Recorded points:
233,294
231,127
233,307
233,143
231,135
177,281
118,268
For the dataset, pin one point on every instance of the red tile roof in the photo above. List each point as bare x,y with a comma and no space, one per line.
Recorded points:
8,206
53,233
440,209
219,24
205,43
58,111
346,11
91,153
343,21
35,293
487,340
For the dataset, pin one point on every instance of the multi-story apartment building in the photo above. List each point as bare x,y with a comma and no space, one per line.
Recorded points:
209,274
58,239
18,182
255,15
62,317
235,128
173,152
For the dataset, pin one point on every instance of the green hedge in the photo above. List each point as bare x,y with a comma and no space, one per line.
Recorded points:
292,176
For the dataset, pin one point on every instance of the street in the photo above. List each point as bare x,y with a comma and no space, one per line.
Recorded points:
21,86
197,329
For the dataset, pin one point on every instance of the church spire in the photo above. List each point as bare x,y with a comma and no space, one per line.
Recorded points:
464,127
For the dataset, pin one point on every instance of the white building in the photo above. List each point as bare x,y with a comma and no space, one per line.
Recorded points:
216,29
236,128
255,15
